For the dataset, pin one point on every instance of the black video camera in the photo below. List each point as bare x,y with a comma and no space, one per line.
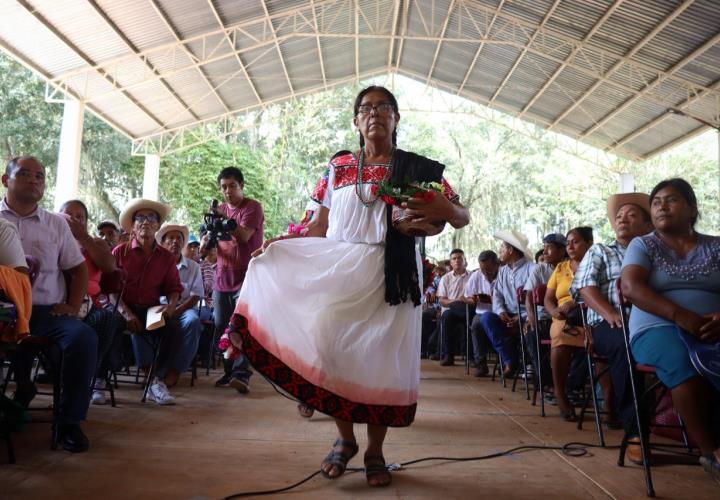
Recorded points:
217,227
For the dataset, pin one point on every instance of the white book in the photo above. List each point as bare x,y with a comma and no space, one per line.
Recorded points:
155,319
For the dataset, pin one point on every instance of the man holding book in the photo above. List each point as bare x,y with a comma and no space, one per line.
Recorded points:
151,273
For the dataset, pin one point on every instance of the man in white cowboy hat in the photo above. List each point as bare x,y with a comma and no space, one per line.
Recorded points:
595,282
517,260
151,273
173,238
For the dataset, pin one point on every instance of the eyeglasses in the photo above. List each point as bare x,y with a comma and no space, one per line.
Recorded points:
382,109
142,218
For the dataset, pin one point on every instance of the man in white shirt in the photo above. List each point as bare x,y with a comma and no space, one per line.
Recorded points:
452,301
173,238
478,292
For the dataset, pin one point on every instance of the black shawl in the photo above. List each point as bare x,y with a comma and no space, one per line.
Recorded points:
401,274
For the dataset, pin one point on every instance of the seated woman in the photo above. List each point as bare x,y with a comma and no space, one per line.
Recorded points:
672,277
98,260
566,332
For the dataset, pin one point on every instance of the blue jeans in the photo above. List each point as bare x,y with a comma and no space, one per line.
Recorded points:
106,325
480,342
169,347
190,329
504,344
224,305
79,344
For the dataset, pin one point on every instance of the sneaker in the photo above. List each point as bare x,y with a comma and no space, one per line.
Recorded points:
223,381
98,398
240,385
159,393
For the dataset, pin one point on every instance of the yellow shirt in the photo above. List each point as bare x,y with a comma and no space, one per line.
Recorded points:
561,280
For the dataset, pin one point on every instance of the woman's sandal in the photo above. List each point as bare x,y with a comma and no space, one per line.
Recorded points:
375,468
305,411
339,459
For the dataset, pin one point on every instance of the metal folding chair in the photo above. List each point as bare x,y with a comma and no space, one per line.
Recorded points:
537,299
520,297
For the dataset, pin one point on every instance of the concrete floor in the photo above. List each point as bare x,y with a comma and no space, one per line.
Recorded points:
215,443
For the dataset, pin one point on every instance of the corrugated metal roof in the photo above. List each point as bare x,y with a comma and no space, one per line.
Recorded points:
604,71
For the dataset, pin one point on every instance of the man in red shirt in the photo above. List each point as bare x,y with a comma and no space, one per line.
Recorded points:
151,273
233,257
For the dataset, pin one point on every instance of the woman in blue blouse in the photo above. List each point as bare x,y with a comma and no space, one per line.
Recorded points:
672,277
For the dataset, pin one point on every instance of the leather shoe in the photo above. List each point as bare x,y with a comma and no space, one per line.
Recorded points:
73,439
481,371
448,361
509,371
633,452
24,398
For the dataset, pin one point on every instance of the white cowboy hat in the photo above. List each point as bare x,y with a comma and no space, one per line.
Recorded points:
132,206
167,227
516,239
617,201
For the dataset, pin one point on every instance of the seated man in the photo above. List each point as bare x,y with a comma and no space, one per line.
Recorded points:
431,318
478,292
553,253
98,260
450,296
108,231
595,283
47,237
14,285
517,264
151,274
172,237
192,248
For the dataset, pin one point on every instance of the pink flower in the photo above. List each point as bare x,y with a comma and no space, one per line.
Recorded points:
224,342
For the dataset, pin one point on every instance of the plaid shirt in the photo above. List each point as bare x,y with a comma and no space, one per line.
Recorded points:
601,268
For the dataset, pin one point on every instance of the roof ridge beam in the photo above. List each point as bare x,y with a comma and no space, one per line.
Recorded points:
622,60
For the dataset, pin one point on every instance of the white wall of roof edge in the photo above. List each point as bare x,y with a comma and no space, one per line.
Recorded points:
68,172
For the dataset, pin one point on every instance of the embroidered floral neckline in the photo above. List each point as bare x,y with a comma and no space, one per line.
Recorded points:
701,260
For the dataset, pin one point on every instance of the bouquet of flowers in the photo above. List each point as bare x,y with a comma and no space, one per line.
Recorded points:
395,194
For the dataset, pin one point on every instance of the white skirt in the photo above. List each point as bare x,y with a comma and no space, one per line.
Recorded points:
313,319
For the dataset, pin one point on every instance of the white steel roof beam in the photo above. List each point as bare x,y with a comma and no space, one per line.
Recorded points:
404,22
524,51
660,119
319,47
624,59
439,44
240,62
609,12
135,50
41,19
482,44
187,51
396,13
277,46
657,81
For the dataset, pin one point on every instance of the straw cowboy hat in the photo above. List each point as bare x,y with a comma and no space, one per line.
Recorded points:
132,206
616,201
517,240
167,227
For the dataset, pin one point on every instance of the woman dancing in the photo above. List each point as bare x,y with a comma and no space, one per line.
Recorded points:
332,317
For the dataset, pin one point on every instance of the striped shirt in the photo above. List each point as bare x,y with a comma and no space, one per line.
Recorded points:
600,267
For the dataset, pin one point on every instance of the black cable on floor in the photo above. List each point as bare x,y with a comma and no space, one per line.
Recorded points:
572,449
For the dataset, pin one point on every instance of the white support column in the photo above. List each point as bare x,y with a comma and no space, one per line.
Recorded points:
68,166
627,183
151,178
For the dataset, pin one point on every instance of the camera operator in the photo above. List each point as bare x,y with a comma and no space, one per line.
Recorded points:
233,257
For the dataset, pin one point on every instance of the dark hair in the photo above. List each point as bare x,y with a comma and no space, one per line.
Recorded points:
231,173
15,163
82,205
539,254
684,188
342,152
457,250
391,98
486,255
585,232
